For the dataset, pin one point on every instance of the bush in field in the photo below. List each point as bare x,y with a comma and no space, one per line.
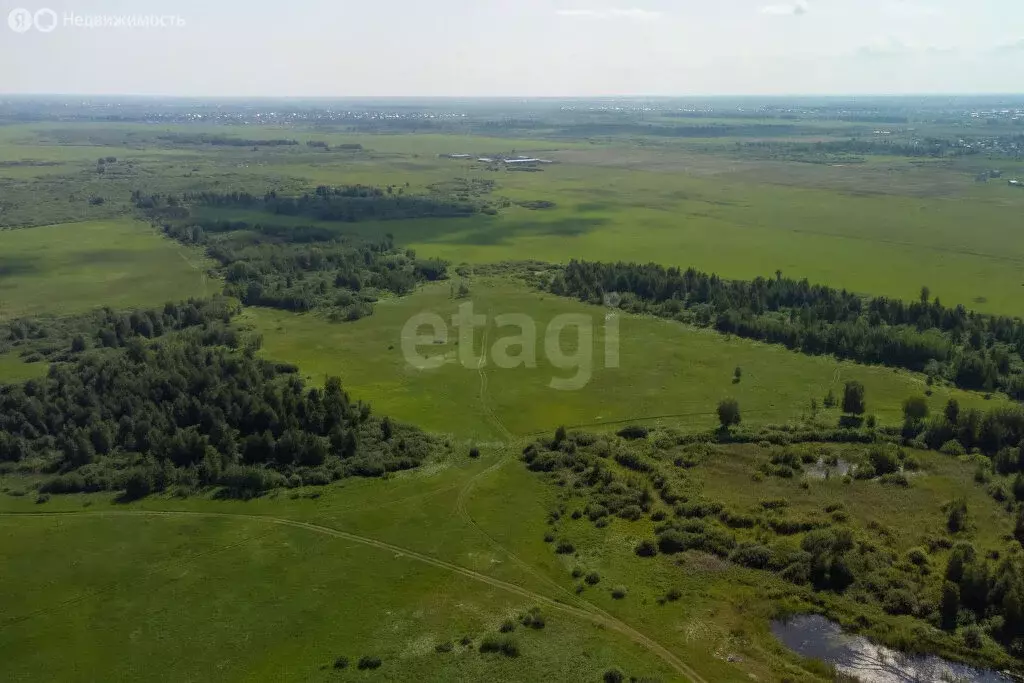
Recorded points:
853,398
918,556
592,578
341,663
953,447
505,645
565,548
533,619
883,460
444,647
729,413
369,662
956,515
646,548
751,555
619,592
507,626
613,676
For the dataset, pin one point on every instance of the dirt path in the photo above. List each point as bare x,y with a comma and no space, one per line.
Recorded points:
483,392
608,622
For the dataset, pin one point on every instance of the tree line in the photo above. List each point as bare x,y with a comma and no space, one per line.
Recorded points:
348,203
969,349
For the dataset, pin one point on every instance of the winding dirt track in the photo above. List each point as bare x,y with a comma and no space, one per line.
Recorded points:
597,618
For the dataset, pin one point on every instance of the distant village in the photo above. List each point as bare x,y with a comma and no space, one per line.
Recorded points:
499,159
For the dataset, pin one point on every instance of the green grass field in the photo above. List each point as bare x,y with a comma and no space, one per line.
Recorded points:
250,591
278,587
665,369
62,269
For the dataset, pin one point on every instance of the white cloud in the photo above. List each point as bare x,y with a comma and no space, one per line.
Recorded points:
634,13
912,10
786,9
1015,46
890,46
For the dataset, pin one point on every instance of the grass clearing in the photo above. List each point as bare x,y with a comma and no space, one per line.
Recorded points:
74,267
666,369
240,599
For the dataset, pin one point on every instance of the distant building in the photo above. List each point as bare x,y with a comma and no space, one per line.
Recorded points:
486,160
995,174
1015,183
454,156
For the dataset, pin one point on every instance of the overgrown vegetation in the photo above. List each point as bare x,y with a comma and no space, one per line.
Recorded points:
827,552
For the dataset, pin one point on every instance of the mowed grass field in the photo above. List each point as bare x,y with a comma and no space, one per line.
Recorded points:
73,267
667,371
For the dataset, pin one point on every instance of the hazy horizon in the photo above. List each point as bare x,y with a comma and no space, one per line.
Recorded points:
523,49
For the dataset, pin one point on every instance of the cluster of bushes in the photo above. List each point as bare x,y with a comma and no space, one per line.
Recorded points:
301,269
971,349
183,413
819,550
365,663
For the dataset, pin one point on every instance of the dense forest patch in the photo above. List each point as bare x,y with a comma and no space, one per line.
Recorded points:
192,410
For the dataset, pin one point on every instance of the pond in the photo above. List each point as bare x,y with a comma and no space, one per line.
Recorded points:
820,638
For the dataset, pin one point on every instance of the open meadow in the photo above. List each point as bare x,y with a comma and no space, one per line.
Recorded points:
667,372
74,267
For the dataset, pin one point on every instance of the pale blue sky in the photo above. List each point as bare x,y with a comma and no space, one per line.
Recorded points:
523,47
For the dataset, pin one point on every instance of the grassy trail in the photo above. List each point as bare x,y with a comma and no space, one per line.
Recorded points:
600,619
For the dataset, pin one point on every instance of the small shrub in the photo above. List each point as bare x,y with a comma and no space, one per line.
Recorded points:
444,647
42,498
565,548
673,594
619,592
341,663
369,662
751,555
918,556
953,447
974,637
505,645
533,619
474,452
549,537
577,572
507,626
633,432
593,578
466,641
646,548
895,479
956,515
613,676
